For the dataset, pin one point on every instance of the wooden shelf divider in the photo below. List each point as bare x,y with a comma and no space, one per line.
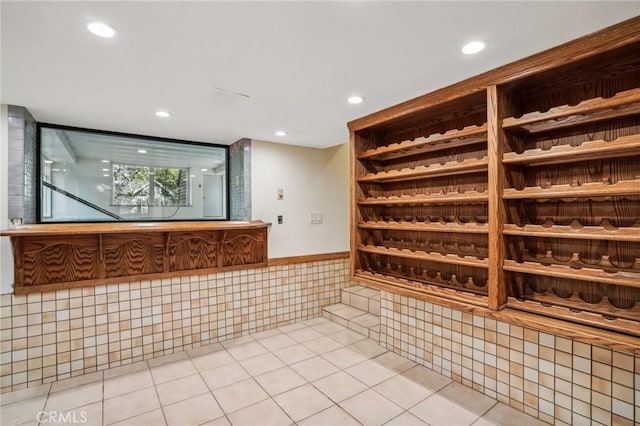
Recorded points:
453,259
453,227
588,111
624,146
631,279
631,234
468,197
590,189
455,138
470,165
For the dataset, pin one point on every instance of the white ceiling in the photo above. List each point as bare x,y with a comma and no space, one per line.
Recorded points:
297,61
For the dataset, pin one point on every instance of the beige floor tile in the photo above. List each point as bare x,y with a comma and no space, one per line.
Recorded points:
344,357
247,350
293,354
439,411
322,345
130,405
370,373
482,422
266,333
171,371
224,376
427,378
315,321
181,389
263,413
280,380
370,408
404,392
28,393
237,341
262,364
304,334
22,411
279,341
347,337
501,414
368,348
314,368
302,402
152,418
239,395
329,327
89,415
194,411
291,327
339,386
220,421
127,383
75,397
406,419
125,369
367,320
204,350
472,400
212,360
166,359
332,416
76,381
394,362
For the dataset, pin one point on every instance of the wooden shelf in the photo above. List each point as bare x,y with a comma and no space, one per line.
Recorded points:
591,110
429,256
392,283
470,165
469,197
452,139
453,227
575,231
630,279
593,150
592,189
620,325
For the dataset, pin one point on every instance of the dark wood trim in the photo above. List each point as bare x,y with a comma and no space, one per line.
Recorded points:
291,260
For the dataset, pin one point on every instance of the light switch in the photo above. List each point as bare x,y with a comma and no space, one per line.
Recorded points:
280,194
315,218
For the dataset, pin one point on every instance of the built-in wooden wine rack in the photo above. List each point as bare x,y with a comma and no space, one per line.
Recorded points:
517,189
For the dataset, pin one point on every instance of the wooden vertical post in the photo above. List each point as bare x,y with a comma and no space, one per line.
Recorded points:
496,140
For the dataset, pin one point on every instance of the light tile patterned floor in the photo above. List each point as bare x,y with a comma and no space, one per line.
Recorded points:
312,373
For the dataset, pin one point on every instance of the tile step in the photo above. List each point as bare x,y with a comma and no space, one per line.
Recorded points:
355,319
361,297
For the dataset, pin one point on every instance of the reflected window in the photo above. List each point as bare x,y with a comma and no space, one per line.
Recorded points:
93,176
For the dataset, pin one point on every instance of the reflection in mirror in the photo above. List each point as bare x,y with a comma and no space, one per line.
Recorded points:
94,176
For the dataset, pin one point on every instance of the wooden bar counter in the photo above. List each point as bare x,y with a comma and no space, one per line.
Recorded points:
56,256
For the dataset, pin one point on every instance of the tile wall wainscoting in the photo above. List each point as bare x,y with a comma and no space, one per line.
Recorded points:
54,335
553,378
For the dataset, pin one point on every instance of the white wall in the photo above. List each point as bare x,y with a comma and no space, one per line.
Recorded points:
6,257
312,180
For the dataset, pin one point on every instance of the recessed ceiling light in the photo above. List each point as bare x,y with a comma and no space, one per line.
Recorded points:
105,170
203,170
106,175
101,29
473,47
55,170
106,161
48,161
163,114
281,133
355,99
142,151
